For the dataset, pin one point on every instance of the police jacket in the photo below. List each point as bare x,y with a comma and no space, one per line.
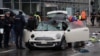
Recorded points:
19,22
2,23
8,23
31,25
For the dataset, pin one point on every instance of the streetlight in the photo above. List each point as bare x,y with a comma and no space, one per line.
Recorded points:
30,6
12,4
20,5
89,8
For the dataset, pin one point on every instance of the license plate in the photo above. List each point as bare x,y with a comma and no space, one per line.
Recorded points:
43,42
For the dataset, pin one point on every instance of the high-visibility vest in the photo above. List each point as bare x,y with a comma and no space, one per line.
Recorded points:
83,15
79,17
38,17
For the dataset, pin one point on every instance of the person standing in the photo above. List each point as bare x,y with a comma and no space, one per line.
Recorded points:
77,14
2,24
12,38
98,18
84,17
19,24
31,24
93,17
37,17
7,29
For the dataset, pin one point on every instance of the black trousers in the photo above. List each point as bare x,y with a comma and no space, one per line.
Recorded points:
1,38
19,38
92,21
6,37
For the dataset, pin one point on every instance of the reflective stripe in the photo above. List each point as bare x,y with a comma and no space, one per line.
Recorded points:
80,17
37,16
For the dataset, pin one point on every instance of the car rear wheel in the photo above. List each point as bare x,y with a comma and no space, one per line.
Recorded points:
29,46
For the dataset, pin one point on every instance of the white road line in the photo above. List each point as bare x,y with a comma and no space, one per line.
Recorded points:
75,54
7,51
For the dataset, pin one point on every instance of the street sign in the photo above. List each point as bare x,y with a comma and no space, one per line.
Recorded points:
69,10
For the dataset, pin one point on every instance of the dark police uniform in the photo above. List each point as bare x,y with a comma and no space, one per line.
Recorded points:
92,18
2,24
19,23
31,25
7,29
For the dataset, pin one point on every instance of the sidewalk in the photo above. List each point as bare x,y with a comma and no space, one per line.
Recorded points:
89,22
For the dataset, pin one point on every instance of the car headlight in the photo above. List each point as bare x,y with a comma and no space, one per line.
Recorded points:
58,36
32,36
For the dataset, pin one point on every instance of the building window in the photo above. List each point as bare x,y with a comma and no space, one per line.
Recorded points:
26,7
16,0
7,5
6,0
25,0
36,0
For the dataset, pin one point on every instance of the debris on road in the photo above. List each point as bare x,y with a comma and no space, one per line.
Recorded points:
83,51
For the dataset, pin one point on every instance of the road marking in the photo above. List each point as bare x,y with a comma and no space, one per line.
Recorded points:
75,54
7,51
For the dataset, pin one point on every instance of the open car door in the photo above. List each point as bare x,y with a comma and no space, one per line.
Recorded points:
77,33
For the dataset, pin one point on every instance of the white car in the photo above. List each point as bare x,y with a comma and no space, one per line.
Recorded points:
56,34
57,15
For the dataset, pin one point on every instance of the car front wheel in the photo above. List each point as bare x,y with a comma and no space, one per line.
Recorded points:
63,44
79,44
29,46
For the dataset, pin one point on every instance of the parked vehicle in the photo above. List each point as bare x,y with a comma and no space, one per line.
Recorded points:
56,34
57,15
15,11
3,10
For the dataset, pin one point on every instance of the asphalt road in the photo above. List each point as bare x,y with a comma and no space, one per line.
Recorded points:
94,50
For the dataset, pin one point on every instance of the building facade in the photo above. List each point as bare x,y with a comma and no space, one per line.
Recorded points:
29,6
1,4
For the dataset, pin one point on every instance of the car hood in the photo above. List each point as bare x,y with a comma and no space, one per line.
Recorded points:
47,33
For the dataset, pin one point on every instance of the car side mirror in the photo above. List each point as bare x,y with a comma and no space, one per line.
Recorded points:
68,30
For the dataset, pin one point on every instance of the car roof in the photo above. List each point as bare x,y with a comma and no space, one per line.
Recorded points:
58,11
16,10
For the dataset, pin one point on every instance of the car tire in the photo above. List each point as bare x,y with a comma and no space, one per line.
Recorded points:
69,45
82,44
63,44
79,44
30,47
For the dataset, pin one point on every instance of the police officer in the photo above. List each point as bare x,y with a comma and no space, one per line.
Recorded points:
7,29
19,24
98,18
37,17
93,17
2,24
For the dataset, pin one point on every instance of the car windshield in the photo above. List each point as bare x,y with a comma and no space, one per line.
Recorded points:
57,16
49,27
